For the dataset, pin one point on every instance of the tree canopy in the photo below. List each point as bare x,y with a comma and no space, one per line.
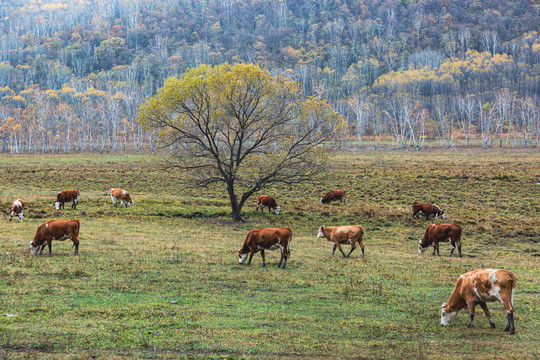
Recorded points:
239,126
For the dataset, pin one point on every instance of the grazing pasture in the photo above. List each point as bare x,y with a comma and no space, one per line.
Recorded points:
161,279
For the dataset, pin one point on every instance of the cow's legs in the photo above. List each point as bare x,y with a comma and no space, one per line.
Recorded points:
340,249
510,323
76,248
510,311
334,250
49,244
452,248
284,259
484,307
263,257
251,252
353,247
42,247
436,248
471,307
459,248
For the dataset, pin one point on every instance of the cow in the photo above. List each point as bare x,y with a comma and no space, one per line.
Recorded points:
66,196
441,232
478,287
266,239
122,195
270,201
17,210
427,210
338,235
333,195
55,230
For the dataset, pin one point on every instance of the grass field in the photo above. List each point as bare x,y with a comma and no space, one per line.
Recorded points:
161,279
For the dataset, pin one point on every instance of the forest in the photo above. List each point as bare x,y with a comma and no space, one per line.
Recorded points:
403,73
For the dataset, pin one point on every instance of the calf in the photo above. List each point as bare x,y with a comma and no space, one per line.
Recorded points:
266,239
17,210
55,230
343,235
270,201
427,210
333,195
441,232
478,287
122,195
66,196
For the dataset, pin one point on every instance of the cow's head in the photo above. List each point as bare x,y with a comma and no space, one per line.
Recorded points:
33,248
442,215
421,247
131,203
242,256
447,316
321,234
57,205
20,217
276,210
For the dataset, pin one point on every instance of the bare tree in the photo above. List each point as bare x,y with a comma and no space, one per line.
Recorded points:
241,127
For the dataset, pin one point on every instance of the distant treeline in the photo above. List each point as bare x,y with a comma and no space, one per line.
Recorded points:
73,73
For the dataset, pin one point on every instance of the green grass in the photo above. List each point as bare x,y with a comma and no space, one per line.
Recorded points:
161,279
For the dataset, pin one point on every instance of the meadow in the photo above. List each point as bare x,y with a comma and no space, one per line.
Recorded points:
162,280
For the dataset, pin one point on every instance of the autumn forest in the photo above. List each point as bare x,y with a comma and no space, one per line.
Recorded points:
402,73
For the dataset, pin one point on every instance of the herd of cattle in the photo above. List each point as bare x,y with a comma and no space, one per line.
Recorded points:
473,288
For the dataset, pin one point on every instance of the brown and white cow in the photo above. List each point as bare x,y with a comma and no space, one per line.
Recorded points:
17,210
333,195
338,235
270,201
122,195
55,230
441,232
478,287
66,196
266,239
427,210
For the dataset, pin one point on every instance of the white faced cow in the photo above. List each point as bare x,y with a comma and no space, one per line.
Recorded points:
266,200
17,210
339,235
66,196
122,195
478,287
266,239
55,230
441,232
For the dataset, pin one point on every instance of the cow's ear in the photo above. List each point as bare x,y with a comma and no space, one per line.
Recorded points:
443,305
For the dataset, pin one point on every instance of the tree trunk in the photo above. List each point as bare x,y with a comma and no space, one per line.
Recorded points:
235,206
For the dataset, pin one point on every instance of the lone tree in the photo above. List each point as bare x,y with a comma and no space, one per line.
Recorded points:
239,126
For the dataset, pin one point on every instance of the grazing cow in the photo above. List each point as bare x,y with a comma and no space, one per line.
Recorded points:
441,232
427,210
122,195
266,239
478,287
343,235
270,201
67,196
17,210
333,195
55,230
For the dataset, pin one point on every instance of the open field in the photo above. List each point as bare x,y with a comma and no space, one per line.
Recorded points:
161,279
